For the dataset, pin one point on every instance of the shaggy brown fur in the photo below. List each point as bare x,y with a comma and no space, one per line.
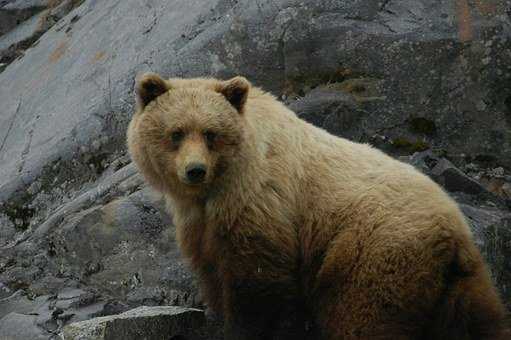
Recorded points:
289,216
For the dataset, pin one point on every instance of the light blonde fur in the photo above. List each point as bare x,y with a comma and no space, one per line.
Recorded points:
369,247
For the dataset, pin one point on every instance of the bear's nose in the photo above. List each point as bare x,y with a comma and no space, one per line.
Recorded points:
196,172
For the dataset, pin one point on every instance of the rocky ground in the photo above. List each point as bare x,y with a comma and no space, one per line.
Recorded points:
81,236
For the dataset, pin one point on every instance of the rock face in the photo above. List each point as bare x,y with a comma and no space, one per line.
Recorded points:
149,323
16,326
14,12
76,217
24,316
41,16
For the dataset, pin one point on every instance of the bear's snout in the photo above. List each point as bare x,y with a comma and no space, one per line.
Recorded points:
196,173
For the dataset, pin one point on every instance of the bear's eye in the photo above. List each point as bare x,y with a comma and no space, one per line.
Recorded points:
210,137
177,136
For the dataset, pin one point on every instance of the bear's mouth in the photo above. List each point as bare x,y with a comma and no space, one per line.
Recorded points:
192,184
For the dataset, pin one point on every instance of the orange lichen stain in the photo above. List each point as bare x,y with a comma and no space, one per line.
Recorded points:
465,32
98,57
58,52
486,7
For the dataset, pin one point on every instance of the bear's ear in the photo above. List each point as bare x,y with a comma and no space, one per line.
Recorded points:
235,91
149,87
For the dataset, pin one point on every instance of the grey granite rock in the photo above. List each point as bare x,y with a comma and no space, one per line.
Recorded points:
16,326
7,229
492,231
150,323
22,32
13,13
19,303
446,174
24,4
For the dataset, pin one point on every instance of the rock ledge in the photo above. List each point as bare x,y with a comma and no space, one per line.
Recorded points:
148,323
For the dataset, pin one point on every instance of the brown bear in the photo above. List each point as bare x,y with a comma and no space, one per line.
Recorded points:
274,212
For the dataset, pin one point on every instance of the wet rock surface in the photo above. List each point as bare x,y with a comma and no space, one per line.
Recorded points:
81,235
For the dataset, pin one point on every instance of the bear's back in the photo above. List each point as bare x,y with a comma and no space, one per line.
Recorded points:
337,172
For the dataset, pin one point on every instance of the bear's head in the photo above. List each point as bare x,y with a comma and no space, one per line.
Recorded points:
186,133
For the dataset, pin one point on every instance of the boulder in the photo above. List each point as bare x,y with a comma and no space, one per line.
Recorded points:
446,174
335,111
150,323
15,326
19,302
492,232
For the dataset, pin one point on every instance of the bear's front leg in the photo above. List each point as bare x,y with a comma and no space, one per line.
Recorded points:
260,284
248,310
255,310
